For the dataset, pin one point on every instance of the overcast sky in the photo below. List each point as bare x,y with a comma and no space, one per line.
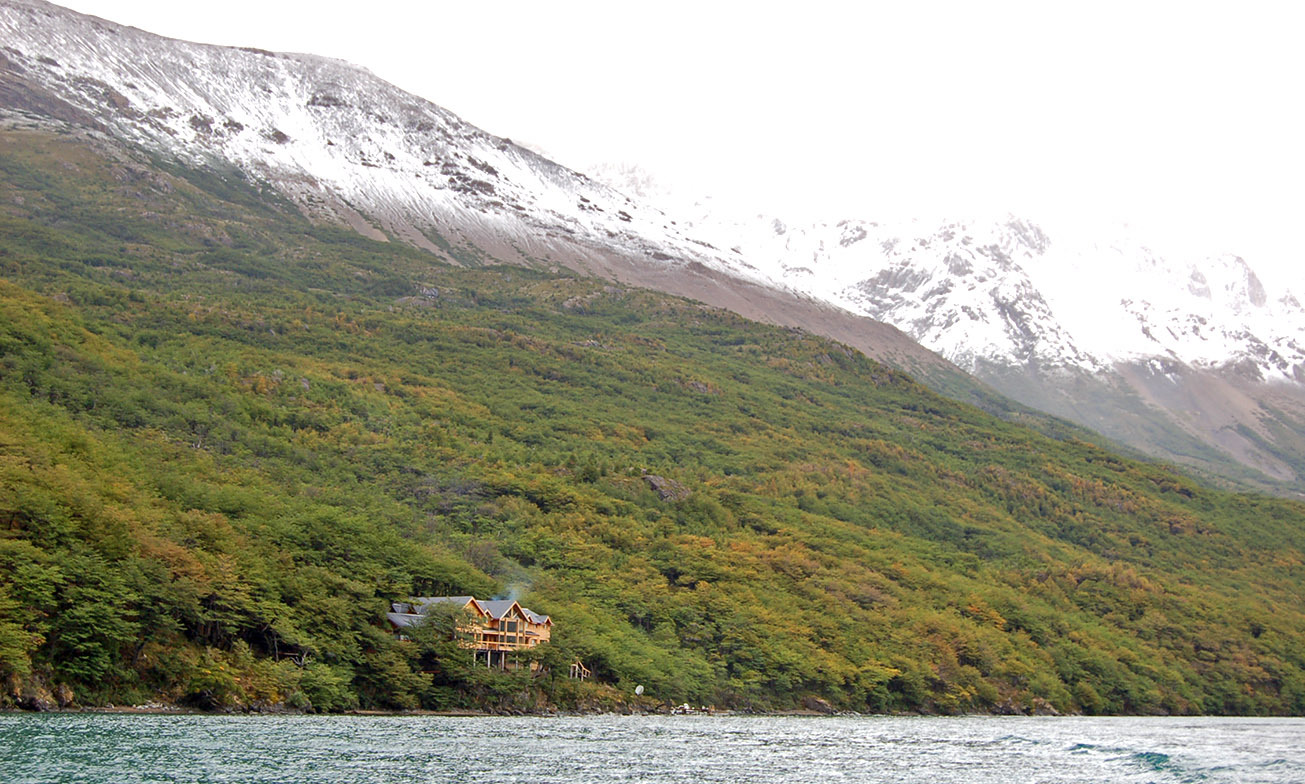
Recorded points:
1184,119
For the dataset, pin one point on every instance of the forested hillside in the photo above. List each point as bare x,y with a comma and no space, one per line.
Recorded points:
228,438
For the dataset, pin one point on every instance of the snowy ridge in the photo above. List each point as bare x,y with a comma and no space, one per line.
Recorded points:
341,143
1004,291
351,148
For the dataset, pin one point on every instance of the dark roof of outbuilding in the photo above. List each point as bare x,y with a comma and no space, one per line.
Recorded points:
404,620
422,601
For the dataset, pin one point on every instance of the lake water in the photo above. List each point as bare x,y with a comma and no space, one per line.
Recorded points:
107,749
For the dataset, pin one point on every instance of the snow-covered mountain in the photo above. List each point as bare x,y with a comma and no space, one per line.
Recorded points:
338,141
1004,290
1188,358
347,147
1007,292
1192,359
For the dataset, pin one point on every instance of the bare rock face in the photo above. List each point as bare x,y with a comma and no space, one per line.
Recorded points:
667,489
818,705
36,697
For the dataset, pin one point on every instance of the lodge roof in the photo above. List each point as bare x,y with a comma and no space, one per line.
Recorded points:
410,613
498,609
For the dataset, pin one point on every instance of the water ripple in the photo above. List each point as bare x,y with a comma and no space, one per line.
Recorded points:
602,749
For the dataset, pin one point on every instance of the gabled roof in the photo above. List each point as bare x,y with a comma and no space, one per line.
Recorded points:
499,609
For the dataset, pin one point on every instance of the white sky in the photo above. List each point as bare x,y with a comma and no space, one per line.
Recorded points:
1186,119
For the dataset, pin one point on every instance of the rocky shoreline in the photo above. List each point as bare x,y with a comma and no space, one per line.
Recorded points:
158,708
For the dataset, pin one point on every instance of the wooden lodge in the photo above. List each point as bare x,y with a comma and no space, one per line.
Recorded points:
493,628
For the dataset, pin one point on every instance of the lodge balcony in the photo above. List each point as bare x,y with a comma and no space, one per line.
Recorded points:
489,640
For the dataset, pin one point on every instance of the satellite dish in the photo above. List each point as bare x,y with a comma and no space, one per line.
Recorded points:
638,690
